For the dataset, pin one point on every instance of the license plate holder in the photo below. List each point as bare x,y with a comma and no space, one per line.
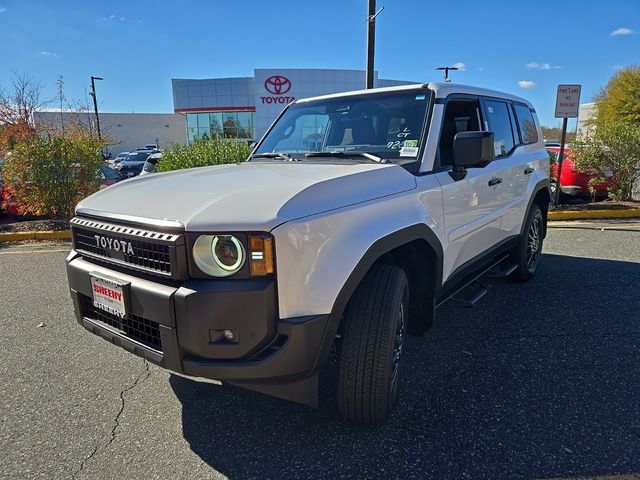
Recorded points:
110,295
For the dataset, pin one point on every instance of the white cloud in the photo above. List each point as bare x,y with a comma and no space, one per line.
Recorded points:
460,66
621,31
526,84
44,53
3,9
480,69
542,66
114,18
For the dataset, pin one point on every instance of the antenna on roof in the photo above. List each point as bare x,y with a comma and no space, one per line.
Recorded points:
446,72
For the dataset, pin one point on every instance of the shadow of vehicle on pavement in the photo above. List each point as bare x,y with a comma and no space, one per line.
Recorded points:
538,381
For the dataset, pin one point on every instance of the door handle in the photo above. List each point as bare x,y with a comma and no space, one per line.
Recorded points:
495,181
528,170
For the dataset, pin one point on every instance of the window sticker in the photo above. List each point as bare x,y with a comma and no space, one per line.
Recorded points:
421,96
410,143
409,152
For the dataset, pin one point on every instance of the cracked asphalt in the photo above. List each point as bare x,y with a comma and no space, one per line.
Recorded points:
540,380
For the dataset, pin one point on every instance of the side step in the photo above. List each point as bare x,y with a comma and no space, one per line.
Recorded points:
502,270
471,294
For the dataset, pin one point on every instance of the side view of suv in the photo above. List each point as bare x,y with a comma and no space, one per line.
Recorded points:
355,217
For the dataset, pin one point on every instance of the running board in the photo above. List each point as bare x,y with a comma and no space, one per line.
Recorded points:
502,271
469,301
474,298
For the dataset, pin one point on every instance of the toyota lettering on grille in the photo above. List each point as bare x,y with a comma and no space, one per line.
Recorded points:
114,244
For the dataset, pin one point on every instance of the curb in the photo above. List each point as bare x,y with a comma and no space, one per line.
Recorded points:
43,235
591,214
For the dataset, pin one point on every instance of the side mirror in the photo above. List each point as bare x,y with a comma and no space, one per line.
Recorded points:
471,150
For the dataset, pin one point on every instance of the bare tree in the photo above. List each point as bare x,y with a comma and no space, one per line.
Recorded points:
21,101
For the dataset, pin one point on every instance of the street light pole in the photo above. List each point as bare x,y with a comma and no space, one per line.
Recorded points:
95,102
371,40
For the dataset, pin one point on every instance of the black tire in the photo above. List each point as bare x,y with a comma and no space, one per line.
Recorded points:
371,346
529,249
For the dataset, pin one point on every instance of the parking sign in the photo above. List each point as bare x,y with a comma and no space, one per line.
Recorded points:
568,101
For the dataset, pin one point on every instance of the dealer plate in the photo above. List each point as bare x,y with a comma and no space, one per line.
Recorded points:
109,295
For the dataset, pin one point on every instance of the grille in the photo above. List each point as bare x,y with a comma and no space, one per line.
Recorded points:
135,327
150,251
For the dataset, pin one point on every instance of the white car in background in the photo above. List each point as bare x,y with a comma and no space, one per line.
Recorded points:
151,163
118,158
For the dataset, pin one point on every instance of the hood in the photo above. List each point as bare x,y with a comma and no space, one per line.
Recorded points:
250,196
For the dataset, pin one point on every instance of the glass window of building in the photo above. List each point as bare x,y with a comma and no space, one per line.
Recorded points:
231,125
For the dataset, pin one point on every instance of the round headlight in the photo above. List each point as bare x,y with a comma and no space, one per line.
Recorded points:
218,255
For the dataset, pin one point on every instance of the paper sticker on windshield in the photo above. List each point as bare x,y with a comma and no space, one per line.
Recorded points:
409,152
421,96
410,143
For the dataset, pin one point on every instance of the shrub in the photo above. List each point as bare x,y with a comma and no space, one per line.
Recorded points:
614,147
203,152
49,174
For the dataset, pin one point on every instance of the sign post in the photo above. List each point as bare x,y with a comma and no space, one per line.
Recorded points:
567,105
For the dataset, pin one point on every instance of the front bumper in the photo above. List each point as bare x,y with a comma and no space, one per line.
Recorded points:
178,326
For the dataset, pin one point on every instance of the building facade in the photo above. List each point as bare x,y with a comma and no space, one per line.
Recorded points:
125,131
245,107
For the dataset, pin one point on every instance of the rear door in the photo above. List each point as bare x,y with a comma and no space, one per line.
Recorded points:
473,205
510,158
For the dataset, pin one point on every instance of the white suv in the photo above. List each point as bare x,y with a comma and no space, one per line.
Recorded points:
356,215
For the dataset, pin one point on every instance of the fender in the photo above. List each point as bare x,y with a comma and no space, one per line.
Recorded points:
544,183
375,252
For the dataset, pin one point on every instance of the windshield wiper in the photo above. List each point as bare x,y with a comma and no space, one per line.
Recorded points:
366,155
282,155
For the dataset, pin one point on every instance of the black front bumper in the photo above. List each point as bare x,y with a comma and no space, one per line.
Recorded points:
179,327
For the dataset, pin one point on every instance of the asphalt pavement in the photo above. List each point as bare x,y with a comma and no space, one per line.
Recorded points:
540,380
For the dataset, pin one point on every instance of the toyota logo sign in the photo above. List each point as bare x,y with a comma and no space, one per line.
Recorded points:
277,85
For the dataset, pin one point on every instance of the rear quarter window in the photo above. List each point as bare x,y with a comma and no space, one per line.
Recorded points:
526,124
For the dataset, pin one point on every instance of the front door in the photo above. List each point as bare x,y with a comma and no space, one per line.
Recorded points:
473,205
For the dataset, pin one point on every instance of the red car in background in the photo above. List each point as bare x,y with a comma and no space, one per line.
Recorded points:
574,183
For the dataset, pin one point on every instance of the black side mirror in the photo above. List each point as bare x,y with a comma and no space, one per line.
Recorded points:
471,150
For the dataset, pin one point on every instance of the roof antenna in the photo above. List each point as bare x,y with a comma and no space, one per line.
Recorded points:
446,72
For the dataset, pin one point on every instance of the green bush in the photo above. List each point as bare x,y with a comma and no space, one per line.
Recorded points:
614,148
203,152
50,174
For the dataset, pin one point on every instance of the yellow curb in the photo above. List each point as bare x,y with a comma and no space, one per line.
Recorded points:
589,214
45,235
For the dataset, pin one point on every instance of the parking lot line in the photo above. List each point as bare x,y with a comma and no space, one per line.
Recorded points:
24,252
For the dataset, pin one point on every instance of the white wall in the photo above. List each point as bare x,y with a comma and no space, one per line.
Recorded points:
127,131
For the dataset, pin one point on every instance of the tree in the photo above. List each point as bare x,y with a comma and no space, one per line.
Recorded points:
50,173
18,104
555,133
619,100
612,149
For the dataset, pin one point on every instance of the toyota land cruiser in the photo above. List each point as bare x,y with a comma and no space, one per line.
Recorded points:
353,219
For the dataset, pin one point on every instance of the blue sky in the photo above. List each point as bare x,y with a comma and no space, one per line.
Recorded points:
139,45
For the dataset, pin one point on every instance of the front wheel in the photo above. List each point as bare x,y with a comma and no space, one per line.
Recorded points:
529,249
371,346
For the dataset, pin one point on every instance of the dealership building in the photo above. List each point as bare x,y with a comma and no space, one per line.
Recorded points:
245,107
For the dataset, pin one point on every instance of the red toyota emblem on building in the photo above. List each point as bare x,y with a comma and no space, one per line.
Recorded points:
277,85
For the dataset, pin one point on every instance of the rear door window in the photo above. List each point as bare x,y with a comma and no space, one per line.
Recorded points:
499,122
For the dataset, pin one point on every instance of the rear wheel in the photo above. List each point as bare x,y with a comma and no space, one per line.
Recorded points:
372,344
529,249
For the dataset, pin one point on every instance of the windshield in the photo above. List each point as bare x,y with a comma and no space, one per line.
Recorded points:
388,125
137,156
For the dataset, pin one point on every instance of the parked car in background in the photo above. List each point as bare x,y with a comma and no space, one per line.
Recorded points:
151,146
132,165
573,182
121,156
151,163
109,176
